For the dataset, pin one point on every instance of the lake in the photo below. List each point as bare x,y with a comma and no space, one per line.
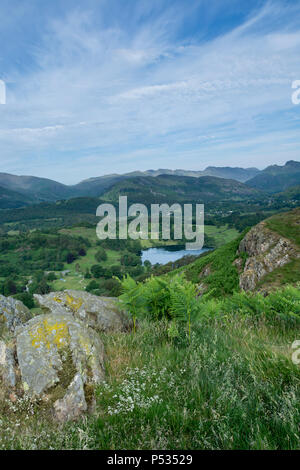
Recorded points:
165,254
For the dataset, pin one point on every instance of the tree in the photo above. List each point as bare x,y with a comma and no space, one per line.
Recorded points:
116,271
26,298
41,287
97,271
87,274
9,288
147,264
51,277
92,286
101,255
70,258
113,287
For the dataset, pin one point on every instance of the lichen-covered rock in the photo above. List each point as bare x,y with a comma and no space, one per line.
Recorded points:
52,348
101,313
7,365
13,313
266,251
73,404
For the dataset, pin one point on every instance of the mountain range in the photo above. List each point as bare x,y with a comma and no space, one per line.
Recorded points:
19,191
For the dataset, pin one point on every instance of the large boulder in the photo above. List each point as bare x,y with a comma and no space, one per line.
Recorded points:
53,348
56,358
13,313
101,313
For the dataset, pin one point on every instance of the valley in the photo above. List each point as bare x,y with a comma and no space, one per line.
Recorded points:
184,341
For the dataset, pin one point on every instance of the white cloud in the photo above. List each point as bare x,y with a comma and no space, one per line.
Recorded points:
143,97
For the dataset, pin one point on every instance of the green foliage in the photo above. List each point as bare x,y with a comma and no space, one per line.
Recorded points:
98,271
101,255
26,298
51,277
92,285
40,287
223,278
175,299
159,298
282,304
233,387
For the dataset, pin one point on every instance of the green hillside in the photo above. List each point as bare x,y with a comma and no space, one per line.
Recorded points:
181,189
277,178
36,189
10,199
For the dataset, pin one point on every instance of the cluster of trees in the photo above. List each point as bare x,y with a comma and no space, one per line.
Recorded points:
30,252
30,255
103,277
23,290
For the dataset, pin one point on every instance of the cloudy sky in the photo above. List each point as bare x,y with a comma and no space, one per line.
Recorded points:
104,86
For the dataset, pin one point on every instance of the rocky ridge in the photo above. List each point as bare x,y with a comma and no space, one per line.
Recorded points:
265,251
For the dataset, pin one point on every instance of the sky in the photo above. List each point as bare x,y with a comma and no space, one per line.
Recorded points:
95,87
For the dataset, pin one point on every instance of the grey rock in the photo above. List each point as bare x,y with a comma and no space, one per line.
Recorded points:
7,365
101,313
73,404
13,313
43,345
266,251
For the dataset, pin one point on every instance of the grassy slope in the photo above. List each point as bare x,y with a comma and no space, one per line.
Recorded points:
223,278
287,224
234,387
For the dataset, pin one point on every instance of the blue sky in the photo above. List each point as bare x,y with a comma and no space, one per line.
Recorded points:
110,86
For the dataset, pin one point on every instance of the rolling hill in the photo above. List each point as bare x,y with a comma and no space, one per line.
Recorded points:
277,178
36,189
97,186
182,189
155,186
12,199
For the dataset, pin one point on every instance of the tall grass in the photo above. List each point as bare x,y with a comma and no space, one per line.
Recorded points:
233,385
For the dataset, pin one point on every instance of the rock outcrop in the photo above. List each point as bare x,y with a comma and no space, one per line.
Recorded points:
13,313
57,356
54,346
265,251
101,313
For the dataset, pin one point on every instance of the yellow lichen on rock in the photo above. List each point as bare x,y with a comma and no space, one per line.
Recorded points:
72,303
50,334
85,344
